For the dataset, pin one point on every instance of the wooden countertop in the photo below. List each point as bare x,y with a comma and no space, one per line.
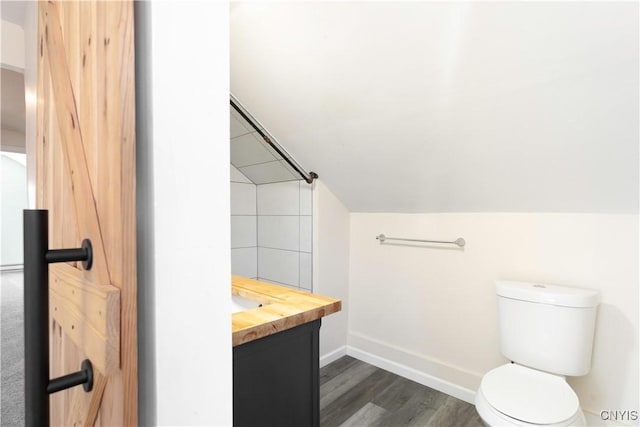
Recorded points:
284,308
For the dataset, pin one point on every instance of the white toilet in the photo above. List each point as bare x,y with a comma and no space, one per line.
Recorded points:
547,333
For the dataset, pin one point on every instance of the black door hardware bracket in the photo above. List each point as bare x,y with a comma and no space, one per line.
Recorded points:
83,253
84,376
37,257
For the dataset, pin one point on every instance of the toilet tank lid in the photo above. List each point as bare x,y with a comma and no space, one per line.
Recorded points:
547,294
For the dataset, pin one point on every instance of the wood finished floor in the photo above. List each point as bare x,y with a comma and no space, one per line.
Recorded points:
356,394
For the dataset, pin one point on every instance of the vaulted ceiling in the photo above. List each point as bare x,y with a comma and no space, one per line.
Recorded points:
449,107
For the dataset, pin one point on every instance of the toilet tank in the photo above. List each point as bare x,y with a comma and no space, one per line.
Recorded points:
547,327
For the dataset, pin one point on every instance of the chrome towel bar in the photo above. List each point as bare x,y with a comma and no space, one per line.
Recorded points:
459,241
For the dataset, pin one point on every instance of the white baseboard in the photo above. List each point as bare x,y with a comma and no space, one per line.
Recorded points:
414,375
333,356
447,387
12,267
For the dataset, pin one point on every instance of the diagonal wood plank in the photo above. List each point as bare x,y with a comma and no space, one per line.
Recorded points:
99,384
73,146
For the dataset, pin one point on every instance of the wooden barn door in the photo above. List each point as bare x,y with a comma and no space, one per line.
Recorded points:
86,180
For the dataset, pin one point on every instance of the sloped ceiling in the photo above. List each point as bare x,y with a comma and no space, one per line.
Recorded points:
449,107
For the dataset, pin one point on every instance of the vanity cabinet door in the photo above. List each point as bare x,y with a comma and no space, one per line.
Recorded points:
276,379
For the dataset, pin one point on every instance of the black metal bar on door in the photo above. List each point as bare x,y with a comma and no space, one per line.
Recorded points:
37,257
36,318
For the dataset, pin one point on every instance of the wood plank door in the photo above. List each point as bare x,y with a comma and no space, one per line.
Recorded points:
86,179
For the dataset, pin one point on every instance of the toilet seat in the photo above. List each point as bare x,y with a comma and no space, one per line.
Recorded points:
492,417
525,396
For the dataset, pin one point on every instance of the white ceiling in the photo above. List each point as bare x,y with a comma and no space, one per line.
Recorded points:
449,107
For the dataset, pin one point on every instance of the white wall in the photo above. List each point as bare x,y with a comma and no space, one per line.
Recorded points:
331,267
184,252
13,199
30,85
12,53
433,309
12,141
19,54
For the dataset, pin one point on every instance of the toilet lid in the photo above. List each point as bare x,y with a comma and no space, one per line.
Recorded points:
529,395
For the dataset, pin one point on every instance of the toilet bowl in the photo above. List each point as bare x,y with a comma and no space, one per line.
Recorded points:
547,333
514,395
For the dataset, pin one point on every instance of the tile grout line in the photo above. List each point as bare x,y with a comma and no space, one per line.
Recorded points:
271,215
299,225
275,249
256,164
311,237
257,234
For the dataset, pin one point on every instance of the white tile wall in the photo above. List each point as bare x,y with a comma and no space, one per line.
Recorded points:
244,262
236,127
250,153
271,230
306,233
248,150
264,279
241,120
243,231
290,169
282,198
243,199
279,232
267,172
305,271
306,199
237,176
279,265
272,151
244,251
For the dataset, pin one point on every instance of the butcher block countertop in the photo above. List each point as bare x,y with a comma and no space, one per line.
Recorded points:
284,308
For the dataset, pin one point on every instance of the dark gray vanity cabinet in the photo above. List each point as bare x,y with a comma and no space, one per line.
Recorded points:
276,379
